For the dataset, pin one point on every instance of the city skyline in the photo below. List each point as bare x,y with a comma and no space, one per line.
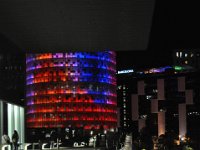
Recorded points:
116,73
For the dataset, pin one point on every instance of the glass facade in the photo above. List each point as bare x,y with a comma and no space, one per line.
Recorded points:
73,89
1,120
12,118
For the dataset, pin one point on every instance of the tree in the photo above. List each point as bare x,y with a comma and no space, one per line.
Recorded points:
146,138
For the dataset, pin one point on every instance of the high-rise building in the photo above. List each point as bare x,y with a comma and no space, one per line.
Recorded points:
73,89
125,86
164,99
12,77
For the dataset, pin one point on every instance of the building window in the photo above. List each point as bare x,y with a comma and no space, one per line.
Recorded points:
186,62
124,111
180,54
155,91
148,96
186,54
119,87
177,54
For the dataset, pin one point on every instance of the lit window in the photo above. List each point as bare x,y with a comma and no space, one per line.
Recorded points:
186,54
119,87
148,96
180,54
177,54
186,62
155,90
143,116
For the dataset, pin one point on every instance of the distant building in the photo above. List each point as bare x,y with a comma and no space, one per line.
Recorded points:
190,57
124,90
12,78
12,89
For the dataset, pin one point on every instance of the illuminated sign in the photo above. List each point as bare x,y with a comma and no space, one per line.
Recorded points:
178,68
125,71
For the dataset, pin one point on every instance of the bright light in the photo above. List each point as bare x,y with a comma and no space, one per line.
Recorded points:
183,138
186,54
178,68
105,131
67,129
148,96
112,130
91,132
180,54
125,71
177,54
186,62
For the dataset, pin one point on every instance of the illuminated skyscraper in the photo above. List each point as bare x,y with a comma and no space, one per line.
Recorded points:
76,89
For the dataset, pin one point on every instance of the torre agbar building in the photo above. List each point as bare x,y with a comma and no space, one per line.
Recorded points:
72,89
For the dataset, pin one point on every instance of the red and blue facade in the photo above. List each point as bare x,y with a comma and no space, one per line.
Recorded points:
73,89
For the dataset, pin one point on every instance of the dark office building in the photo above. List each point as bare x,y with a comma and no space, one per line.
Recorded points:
12,75
125,86
163,99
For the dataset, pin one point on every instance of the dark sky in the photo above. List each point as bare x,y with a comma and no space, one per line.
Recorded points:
67,25
175,25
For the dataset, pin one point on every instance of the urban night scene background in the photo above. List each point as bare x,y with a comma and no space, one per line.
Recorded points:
99,74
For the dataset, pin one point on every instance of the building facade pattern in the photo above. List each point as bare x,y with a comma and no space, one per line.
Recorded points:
73,89
164,108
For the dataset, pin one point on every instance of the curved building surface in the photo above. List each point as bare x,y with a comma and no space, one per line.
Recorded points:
73,89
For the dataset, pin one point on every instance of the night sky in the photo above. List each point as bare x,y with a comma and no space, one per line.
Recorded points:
76,25
175,25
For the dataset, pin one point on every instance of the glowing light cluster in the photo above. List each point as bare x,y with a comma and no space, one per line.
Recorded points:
164,69
75,89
